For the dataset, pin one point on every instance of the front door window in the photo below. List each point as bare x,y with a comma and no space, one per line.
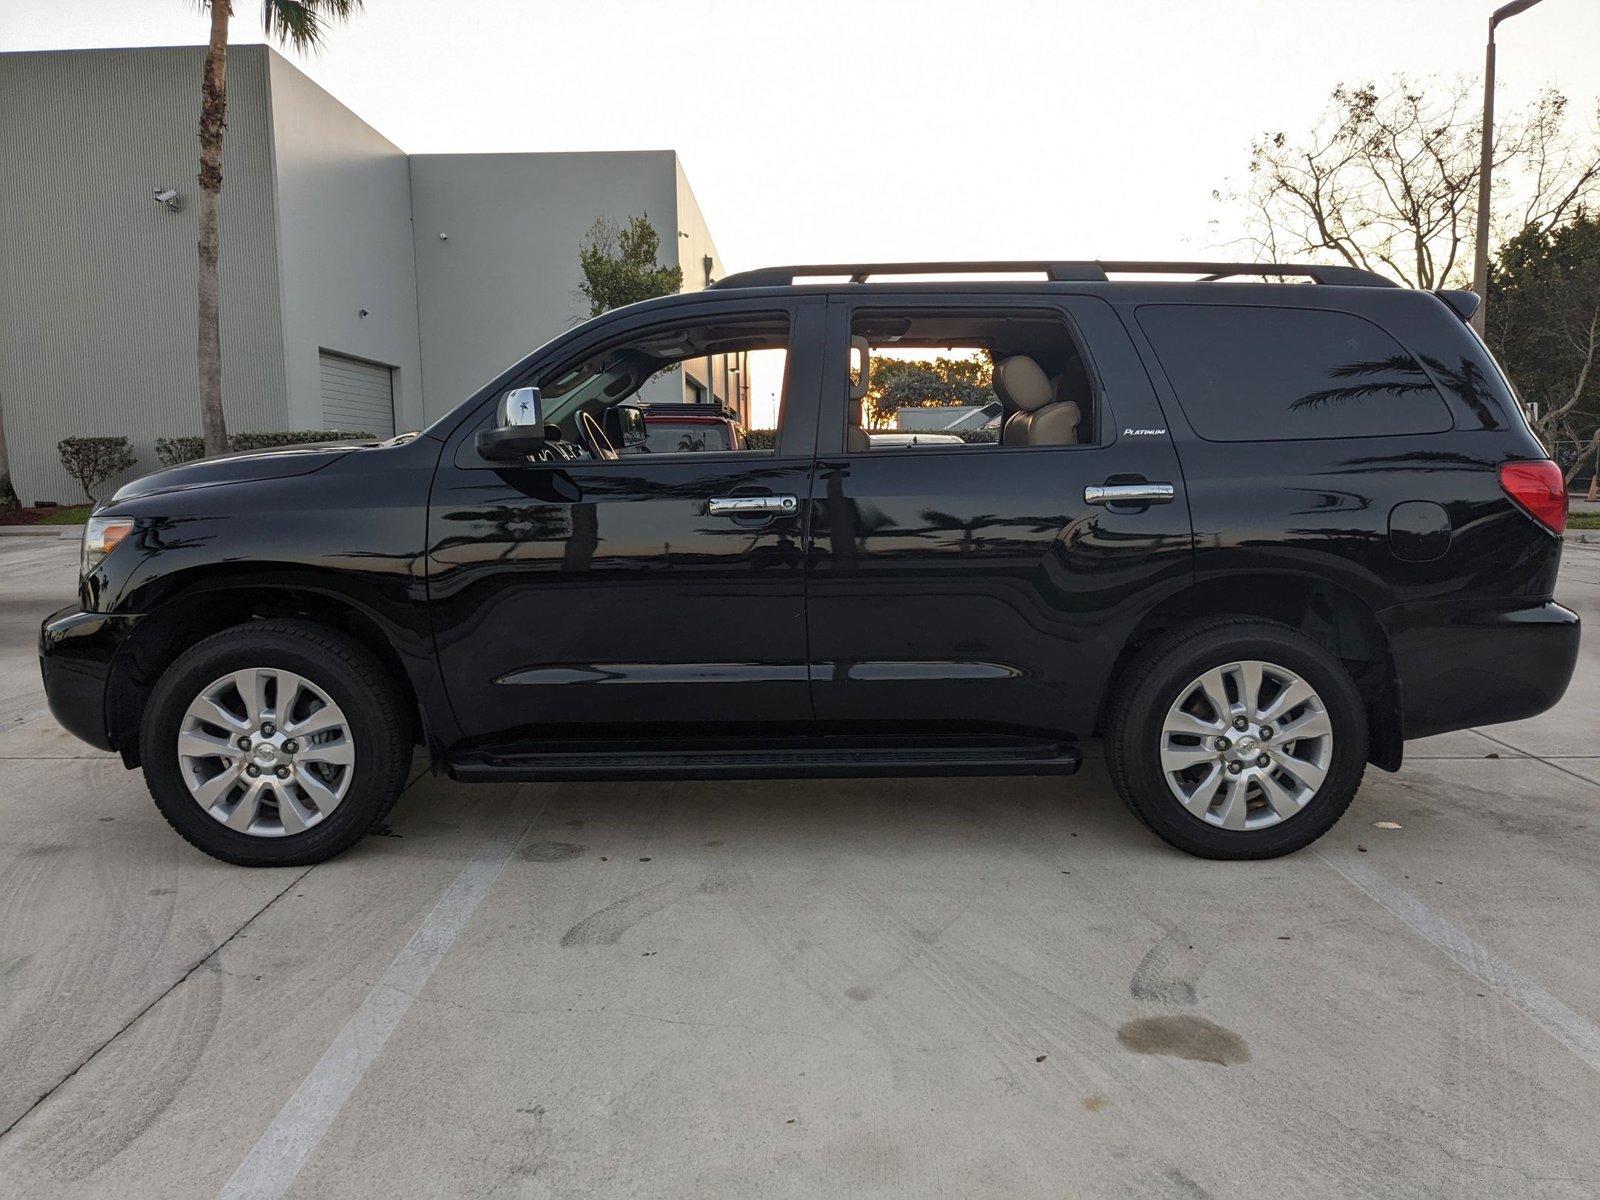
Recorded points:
704,388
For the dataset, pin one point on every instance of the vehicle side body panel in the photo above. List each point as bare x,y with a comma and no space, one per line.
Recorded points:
592,599
919,593
347,537
1343,512
973,590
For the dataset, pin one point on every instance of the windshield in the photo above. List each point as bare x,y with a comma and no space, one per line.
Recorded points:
611,378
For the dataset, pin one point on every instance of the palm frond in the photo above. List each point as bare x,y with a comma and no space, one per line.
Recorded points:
1401,362
1360,391
1395,375
302,23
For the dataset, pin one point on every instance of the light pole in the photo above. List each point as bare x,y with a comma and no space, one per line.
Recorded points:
1480,261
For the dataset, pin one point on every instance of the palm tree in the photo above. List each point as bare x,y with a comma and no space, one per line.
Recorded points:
8,494
298,23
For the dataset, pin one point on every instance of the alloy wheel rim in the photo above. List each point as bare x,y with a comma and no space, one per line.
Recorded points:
1246,746
266,752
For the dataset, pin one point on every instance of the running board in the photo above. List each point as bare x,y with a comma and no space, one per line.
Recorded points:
520,765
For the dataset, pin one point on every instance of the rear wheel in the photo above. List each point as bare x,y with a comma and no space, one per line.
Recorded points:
277,743
1237,739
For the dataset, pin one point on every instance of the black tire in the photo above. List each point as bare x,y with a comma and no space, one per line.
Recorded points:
1151,684
376,709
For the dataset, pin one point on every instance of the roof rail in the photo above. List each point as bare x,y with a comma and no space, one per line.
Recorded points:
1057,272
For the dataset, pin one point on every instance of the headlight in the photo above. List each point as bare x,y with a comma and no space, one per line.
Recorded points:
101,536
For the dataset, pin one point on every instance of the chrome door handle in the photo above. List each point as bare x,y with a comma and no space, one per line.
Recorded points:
744,506
1129,493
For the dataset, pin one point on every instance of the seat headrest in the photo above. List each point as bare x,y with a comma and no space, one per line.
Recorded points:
1023,382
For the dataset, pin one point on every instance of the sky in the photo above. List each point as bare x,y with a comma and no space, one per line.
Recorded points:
815,130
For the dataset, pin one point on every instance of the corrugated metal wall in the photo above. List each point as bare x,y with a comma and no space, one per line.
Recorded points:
97,281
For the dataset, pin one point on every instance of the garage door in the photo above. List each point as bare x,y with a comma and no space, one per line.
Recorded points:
357,396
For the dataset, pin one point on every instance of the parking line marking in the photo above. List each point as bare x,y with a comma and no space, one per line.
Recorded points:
1577,1033
275,1160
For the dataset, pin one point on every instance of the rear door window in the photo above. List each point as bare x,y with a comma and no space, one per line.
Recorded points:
967,378
1249,374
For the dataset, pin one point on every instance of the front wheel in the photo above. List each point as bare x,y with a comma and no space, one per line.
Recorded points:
278,743
1237,739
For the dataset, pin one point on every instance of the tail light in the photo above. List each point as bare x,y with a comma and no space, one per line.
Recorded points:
1539,490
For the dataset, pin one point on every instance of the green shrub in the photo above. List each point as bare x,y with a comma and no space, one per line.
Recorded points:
269,439
92,460
174,450
761,439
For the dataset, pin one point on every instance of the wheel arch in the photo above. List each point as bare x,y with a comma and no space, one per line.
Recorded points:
1330,615
188,617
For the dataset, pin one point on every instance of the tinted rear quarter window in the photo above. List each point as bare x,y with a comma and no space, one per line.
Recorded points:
1246,374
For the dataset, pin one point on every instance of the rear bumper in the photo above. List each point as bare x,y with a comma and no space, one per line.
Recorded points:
76,650
1458,668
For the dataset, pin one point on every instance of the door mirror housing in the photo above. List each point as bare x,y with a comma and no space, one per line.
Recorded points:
519,427
624,426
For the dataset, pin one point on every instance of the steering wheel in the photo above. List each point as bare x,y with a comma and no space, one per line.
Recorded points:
595,438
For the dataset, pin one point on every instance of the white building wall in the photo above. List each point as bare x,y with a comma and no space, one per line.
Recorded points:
322,217
97,280
497,238
344,236
694,248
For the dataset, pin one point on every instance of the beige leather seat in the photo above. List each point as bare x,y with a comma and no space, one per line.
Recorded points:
1040,419
855,437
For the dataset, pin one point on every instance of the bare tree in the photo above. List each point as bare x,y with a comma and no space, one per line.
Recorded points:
1544,325
1387,180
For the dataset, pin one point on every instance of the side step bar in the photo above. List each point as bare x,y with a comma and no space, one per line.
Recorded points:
526,765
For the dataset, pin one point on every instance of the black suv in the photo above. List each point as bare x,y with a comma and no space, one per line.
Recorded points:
1257,535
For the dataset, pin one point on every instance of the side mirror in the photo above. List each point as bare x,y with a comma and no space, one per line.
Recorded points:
623,425
519,427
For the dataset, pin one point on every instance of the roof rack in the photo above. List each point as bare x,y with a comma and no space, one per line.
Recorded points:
1057,272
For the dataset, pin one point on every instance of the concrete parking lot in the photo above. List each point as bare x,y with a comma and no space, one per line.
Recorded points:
863,988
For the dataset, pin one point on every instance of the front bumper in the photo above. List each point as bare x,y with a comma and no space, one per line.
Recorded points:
1461,667
76,652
